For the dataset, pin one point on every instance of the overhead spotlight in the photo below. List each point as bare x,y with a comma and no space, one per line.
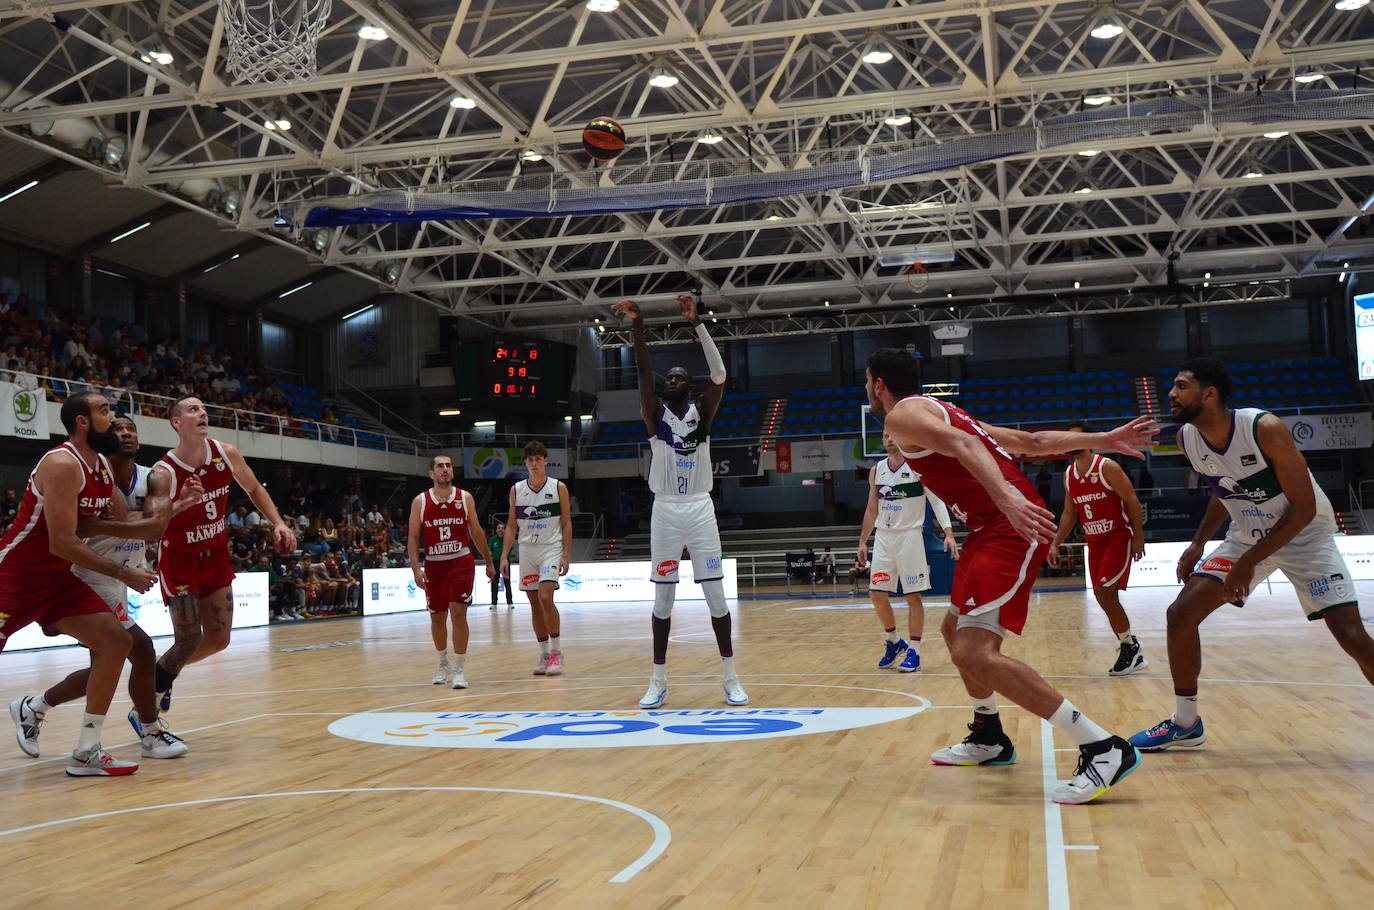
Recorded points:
1206,274
827,303
390,272
372,33
1276,134
710,138
276,119
462,102
1077,285
229,202
1083,190
1207,284
898,120
877,52
158,54
771,213
601,329
1346,6
1097,100
531,155
949,295
1107,28
1252,171
663,77
319,239
603,6
109,150
1308,75
1088,153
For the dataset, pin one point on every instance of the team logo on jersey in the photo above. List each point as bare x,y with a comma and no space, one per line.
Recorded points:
1216,564
880,578
529,579
1247,460
218,463
1316,587
665,568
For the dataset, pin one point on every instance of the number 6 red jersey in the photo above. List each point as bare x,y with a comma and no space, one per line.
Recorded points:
1101,510
199,528
444,526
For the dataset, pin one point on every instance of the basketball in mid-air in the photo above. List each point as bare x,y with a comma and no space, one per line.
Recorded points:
603,139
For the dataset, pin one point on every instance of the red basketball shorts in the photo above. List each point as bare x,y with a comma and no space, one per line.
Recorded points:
995,574
1109,561
449,581
46,600
196,572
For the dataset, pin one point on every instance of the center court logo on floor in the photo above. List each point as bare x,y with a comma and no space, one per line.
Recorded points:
605,729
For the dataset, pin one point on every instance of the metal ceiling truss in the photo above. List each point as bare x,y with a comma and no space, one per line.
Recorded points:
783,84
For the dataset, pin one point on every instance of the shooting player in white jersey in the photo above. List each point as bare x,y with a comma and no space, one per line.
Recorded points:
897,510
1280,519
680,477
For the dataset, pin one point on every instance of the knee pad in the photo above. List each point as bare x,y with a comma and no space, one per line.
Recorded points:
664,595
715,598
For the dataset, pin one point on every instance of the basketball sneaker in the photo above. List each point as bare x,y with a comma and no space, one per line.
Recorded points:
555,665
1130,659
98,763
443,674
893,652
165,700
656,694
542,668
1168,734
985,744
734,692
160,742
1101,766
459,680
911,663
27,723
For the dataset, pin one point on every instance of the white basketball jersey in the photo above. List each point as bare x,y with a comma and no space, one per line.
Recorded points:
1242,478
902,499
680,455
539,514
117,549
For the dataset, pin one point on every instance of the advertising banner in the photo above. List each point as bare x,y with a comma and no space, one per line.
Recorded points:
495,463
150,612
23,412
1163,514
813,455
395,591
1323,432
1158,568
735,461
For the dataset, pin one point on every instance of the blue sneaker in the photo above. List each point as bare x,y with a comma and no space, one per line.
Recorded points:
911,663
895,649
135,722
1167,735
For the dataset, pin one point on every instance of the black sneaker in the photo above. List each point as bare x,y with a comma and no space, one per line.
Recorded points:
1101,766
1129,660
985,744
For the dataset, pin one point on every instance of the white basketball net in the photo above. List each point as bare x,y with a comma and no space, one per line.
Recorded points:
273,40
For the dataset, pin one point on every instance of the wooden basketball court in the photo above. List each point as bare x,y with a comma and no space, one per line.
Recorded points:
271,810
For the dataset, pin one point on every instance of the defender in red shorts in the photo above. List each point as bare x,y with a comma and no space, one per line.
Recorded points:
70,482
447,518
1098,493
967,465
193,554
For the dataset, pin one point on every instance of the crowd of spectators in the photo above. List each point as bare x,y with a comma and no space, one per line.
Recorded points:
68,354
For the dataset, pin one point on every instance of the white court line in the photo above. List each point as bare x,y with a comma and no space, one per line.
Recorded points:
1056,875
662,834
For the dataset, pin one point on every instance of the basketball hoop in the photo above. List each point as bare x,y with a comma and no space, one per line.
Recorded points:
273,40
917,278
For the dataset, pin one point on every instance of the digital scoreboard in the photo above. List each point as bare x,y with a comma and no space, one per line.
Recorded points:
1364,336
532,372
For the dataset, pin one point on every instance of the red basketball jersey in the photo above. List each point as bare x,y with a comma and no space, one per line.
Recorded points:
25,550
444,526
200,527
948,479
1100,510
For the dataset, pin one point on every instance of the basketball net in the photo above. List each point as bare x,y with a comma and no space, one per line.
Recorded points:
273,40
917,278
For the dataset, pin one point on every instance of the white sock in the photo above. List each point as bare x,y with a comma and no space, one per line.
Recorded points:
985,705
914,644
1076,724
90,732
458,662
150,725
660,673
544,647
39,706
1126,637
892,635
727,667
1185,710
553,645
443,655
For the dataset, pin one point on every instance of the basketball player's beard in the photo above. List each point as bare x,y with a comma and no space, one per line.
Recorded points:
1186,414
680,401
106,443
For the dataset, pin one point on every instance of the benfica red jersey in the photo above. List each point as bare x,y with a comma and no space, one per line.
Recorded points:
444,526
201,527
1100,510
25,549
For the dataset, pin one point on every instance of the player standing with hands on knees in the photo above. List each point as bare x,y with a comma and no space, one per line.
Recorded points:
968,465
680,477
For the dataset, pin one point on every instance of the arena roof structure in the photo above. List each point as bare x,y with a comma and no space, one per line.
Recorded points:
125,112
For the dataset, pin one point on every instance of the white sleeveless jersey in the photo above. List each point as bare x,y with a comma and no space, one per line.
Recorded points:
117,549
901,498
1242,478
680,456
539,514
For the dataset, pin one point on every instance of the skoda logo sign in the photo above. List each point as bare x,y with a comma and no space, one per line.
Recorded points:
605,729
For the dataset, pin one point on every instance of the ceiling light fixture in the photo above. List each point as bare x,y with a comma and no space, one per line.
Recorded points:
1083,190
1088,153
898,120
1308,75
357,312
1252,171
462,102
484,423
319,239
1346,6
16,191
710,138
1097,100
877,52
276,119
603,6
129,232
372,33
450,412
531,155
218,264
109,150
1276,134
299,287
159,55
663,77
1107,28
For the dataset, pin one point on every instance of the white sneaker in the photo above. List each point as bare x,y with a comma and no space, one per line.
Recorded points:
442,675
1101,766
656,694
160,742
734,692
542,668
459,680
98,763
27,723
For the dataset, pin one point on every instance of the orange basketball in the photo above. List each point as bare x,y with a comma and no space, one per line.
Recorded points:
603,139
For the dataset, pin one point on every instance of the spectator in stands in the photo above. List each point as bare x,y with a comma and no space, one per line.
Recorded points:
234,522
374,515
329,533
9,504
825,566
4,303
857,572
